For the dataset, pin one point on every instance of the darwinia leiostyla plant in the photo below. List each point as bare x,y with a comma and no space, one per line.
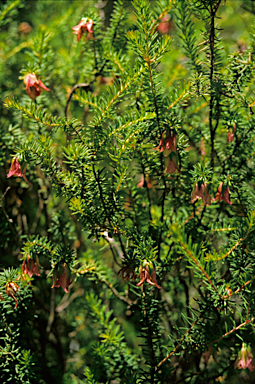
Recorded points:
133,241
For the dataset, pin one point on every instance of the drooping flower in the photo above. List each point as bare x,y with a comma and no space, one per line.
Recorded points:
148,273
83,26
165,25
168,142
15,169
24,27
201,192
11,289
223,194
30,267
245,358
62,280
231,133
34,86
127,273
172,164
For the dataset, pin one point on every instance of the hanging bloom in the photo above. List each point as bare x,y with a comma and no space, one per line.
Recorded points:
165,25
231,133
30,267
127,273
168,142
171,164
63,280
223,194
34,86
24,27
245,358
84,25
148,272
201,193
15,169
11,289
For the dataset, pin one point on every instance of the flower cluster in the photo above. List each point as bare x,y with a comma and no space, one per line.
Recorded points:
201,191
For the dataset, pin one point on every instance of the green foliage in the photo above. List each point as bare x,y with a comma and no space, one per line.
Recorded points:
137,195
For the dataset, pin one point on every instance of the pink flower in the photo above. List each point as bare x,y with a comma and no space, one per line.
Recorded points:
231,134
171,165
201,193
168,142
245,358
33,85
15,169
63,280
147,272
82,27
165,25
30,267
223,194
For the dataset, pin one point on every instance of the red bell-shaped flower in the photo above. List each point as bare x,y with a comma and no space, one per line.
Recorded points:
34,86
148,273
63,280
83,26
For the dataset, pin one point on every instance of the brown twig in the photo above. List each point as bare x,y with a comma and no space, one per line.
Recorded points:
76,86
178,345
67,300
116,293
233,330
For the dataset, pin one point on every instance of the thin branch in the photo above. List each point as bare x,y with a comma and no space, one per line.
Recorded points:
116,293
76,86
113,243
178,345
67,300
233,330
